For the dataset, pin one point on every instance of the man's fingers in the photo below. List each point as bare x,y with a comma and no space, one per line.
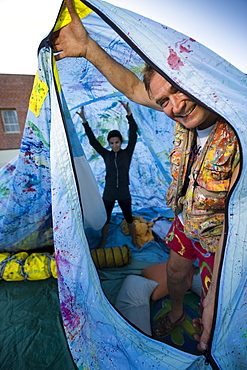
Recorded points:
55,42
203,346
59,56
203,339
197,323
56,48
197,337
71,9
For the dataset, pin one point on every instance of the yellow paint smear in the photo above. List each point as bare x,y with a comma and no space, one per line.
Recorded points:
64,16
39,93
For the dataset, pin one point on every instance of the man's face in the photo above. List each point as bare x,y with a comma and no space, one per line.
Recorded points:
179,106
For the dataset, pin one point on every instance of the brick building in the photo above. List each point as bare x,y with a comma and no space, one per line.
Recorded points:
15,91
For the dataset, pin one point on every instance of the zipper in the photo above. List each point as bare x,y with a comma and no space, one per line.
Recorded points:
209,359
115,161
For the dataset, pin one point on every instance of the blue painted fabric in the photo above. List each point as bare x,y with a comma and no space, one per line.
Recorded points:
42,187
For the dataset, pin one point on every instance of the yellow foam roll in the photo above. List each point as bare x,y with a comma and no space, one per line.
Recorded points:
3,261
14,267
40,266
4,256
111,257
37,266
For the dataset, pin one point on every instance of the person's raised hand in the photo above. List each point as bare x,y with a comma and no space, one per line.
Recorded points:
72,40
126,107
82,115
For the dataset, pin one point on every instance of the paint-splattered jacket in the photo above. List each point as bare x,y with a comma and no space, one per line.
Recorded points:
203,200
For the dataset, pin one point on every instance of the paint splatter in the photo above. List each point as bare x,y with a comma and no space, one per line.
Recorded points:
174,61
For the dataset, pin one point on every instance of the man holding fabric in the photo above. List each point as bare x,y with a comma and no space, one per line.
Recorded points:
198,192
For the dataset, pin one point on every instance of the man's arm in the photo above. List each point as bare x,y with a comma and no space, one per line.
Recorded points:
74,41
204,325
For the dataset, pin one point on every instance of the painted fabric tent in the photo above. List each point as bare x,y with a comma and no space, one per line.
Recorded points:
49,193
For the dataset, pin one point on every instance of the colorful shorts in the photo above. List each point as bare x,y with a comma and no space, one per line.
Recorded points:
192,250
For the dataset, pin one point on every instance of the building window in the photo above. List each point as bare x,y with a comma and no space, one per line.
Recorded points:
10,120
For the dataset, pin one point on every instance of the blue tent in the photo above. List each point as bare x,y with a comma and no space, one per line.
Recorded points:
52,191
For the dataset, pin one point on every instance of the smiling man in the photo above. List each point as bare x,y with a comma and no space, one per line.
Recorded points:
176,104
204,166
203,160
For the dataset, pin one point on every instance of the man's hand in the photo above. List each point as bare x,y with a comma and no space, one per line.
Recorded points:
72,40
204,325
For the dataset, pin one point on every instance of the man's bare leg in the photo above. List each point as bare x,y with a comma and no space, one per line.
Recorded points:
178,281
179,274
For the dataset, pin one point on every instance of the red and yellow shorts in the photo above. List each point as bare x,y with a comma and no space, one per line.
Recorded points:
188,248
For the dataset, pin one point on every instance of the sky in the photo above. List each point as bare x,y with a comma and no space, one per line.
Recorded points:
218,24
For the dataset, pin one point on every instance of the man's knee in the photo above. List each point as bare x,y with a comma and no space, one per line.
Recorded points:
178,267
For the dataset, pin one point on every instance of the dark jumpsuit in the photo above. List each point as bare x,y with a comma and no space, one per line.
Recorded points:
117,171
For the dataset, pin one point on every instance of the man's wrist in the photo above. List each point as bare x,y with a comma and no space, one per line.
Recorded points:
92,52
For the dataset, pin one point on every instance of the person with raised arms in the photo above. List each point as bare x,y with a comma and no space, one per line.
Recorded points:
117,163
